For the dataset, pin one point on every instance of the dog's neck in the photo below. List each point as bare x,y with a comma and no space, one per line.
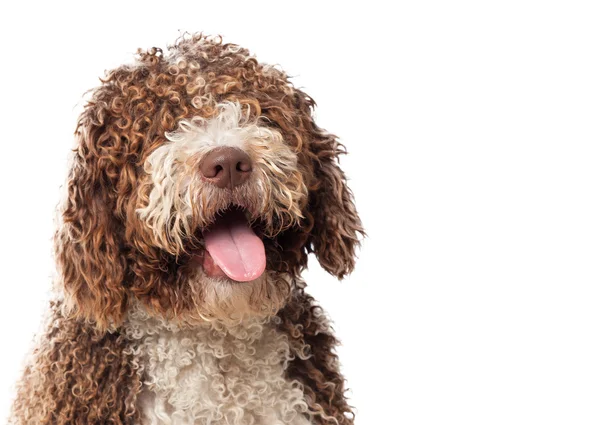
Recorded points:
214,373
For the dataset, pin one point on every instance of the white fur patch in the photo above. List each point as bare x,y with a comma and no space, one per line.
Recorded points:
230,127
213,374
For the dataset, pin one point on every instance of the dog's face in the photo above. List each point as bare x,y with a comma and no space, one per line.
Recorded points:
200,183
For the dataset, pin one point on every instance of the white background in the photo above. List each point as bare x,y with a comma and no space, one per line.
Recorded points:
473,132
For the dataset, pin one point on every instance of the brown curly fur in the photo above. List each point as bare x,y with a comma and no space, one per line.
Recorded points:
315,363
106,257
78,375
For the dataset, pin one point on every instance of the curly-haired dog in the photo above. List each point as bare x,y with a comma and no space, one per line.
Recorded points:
199,185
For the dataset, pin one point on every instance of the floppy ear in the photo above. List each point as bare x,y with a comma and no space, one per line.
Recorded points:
336,225
88,244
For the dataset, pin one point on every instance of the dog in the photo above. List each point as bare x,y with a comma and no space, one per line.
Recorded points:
199,185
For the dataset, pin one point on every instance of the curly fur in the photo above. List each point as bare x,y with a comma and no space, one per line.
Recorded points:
78,375
132,222
215,374
314,362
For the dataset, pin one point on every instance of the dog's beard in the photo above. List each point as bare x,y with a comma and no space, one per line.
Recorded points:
227,277
226,301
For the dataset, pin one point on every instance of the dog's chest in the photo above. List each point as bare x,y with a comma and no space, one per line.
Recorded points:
215,375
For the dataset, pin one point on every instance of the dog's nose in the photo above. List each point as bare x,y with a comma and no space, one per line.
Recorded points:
226,167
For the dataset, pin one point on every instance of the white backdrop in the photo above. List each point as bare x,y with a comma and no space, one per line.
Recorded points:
473,132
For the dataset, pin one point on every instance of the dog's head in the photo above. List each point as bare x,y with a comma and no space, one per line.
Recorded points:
200,184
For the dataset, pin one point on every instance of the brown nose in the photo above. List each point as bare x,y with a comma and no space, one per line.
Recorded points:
226,167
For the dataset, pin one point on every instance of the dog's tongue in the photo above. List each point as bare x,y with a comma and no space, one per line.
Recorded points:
235,248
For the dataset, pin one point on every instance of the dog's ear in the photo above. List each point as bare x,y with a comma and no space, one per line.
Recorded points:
88,244
336,227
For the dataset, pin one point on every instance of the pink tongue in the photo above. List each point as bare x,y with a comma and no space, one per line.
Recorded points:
235,248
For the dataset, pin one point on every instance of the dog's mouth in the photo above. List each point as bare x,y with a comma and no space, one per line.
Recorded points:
232,248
